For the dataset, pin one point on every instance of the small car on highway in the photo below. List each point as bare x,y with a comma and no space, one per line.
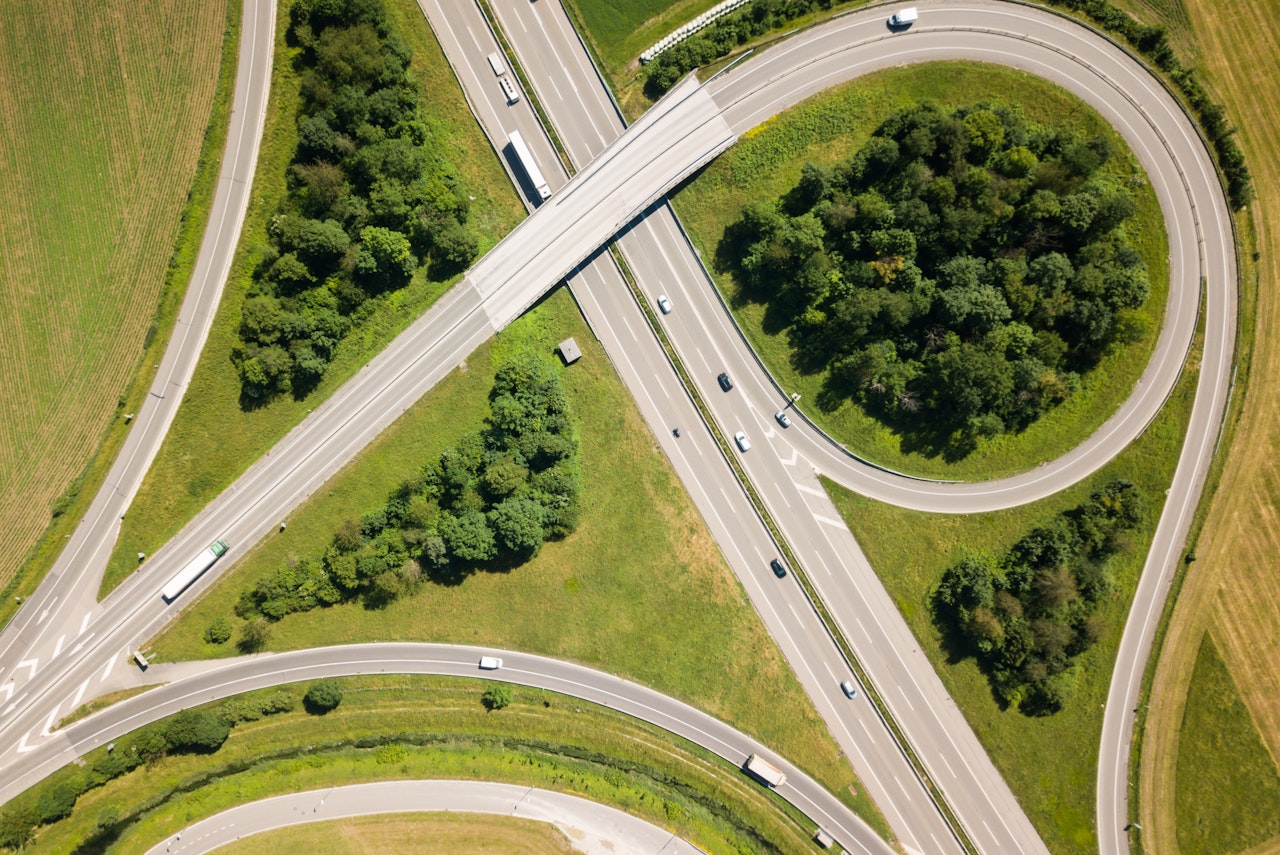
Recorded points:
778,568
725,383
664,304
490,663
848,689
783,418
741,439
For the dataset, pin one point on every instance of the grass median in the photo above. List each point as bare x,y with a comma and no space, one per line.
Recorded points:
1050,762
826,129
393,727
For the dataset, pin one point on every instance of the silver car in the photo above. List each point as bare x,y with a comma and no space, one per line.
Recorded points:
741,439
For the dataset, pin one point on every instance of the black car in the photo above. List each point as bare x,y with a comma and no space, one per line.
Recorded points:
778,570
725,383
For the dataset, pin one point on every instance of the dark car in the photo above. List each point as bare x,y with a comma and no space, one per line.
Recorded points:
778,569
725,383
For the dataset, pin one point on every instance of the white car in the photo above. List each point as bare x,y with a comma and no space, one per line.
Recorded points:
848,689
490,663
783,418
664,304
741,439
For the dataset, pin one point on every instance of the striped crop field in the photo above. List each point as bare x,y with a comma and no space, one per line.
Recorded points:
103,110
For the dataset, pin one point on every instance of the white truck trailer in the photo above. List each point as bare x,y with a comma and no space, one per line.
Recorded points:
192,571
529,165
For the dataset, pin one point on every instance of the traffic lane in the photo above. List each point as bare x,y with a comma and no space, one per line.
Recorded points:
256,503
467,41
446,660
748,547
69,590
903,675
588,826
567,82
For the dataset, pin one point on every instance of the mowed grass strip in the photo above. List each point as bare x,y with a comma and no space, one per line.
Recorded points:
1049,762
1232,586
475,834
639,590
405,727
1228,790
102,117
212,439
832,126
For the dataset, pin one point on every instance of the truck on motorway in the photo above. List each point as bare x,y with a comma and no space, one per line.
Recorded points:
529,165
765,771
192,571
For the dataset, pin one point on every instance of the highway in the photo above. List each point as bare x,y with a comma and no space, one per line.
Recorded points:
588,826
225,679
667,144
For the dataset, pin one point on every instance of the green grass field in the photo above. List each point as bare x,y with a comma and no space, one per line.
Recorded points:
1050,762
825,129
213,440
640,590
1228,789
474,834
100,163
392,727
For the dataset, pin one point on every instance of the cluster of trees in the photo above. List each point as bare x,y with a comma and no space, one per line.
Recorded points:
955,275
1152,41
494,498
1028,615
737,28
371,196
194,731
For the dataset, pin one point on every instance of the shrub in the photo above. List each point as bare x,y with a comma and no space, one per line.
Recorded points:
218,632
322,697
496,697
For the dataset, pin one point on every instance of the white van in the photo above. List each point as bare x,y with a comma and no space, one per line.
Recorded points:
904,17
490,663
499,67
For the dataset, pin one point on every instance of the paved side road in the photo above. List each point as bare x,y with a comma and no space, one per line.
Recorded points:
590,827
242,675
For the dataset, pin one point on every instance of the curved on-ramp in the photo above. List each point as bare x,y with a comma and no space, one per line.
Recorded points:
242,675
590,827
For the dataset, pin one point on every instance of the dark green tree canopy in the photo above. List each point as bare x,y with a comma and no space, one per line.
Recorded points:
372,197
954,276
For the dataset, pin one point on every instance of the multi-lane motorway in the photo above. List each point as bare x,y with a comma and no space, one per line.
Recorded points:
620,180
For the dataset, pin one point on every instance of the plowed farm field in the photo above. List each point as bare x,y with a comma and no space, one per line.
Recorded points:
103,111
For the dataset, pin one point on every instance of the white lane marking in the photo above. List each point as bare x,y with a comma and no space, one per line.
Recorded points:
84,624
33,664
81,643
48,725
11,706
57,647
23,747
812,491
111,663
828,521
75,702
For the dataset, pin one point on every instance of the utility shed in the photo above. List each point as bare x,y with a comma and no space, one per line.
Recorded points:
569,351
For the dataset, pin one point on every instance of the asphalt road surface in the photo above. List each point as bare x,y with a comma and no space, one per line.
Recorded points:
236,676
589,827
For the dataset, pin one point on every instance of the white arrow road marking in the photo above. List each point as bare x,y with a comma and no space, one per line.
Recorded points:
111,663
73,651
44,614
23,747
9,708
7,688
84,624
57,648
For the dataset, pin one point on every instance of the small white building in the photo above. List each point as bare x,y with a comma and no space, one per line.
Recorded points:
569,351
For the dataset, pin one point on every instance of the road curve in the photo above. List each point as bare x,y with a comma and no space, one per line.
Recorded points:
590,827
242,675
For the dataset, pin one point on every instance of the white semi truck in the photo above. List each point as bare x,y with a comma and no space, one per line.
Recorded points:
530,165
765,771
192,571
